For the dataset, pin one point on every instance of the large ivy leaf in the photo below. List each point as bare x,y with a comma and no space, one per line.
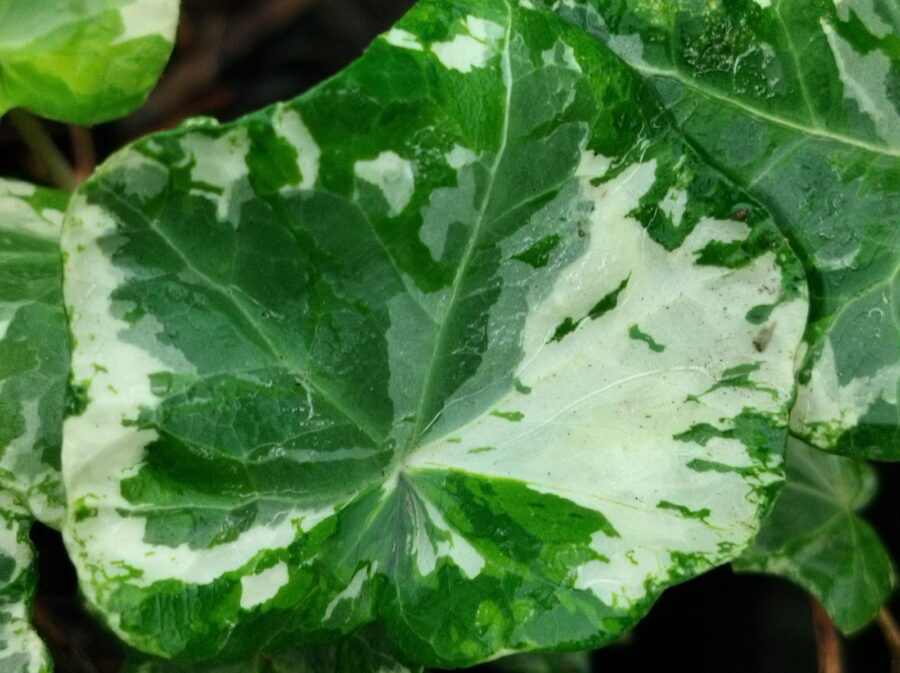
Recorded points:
457,342
799,102
84,62
815,538
34,347
21,651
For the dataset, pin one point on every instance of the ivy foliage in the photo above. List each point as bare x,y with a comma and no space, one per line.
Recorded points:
798,103
83,62
462,343
473,349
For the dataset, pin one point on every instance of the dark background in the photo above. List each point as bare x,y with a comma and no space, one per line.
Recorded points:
234,56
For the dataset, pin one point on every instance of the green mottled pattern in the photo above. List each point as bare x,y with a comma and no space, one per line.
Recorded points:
21,651
82,61
325,381
798,101
34,347
816,538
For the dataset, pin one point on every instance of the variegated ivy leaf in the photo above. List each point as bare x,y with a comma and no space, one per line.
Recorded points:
34,347
21,650
403,350
84,62
815,538
799,102
366,651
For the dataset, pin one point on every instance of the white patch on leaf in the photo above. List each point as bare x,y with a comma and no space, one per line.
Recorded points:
674,204
598,382
865,11
592,165
866,78
825,406
17,215
561,55
484,30
460,157
220,162
54,217
16,188
403,39
456,547
472,48
142,176
393,175
120,391
263,586
353,589
94,461
462,53
143,18
288,125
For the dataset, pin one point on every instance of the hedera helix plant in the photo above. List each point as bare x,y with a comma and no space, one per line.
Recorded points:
410,318
471,350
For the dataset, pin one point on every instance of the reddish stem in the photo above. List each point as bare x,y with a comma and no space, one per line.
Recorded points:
828,641
891,632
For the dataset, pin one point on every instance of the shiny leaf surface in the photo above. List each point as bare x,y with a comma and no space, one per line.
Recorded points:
798,103
464,342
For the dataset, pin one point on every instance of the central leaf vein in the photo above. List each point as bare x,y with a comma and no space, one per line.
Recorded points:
441,337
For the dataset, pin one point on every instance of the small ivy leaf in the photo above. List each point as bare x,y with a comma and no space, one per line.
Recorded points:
797,103
34,347
329,382
366,651
21,650
815,538
83,62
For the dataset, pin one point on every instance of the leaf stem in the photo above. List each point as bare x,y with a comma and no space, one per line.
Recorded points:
828,641
83,152
891,631
38,140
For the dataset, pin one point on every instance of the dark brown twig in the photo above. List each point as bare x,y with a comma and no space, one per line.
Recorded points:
891,631
38,140
828,641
